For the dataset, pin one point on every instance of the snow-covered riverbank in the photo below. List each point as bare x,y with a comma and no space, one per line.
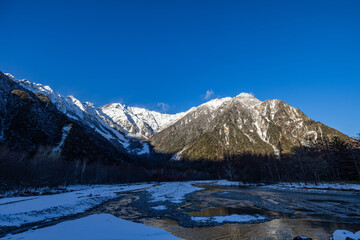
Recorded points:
320,186
16,211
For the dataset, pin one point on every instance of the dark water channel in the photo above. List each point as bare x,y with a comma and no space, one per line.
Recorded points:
289,213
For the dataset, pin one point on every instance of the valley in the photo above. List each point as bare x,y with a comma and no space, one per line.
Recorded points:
167,120
66,163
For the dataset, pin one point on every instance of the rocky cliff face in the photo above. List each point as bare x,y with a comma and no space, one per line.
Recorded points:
237,125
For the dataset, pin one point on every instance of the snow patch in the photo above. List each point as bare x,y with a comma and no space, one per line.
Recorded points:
226,183
263,135
65,131
95,227
173,191
227,132
145,149
326,186
177,156
160,207
345,235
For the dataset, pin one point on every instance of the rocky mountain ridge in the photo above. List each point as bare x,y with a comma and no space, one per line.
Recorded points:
237,125
227,126
87,114
139,122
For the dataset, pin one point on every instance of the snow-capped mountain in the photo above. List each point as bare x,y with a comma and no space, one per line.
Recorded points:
237,125
143,123
32,126
209,131
139,122
87,114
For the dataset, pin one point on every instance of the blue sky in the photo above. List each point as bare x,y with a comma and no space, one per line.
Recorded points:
171,54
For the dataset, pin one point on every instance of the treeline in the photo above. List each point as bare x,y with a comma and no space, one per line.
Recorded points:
323,160
46,168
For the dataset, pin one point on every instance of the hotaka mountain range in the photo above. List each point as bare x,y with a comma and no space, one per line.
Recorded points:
34,116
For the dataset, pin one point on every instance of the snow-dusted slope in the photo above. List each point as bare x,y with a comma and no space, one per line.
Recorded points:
239,124
213,104
143,123
85,113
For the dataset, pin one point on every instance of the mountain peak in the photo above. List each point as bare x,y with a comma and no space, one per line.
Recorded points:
245,95
9,76
139,122
215,103
247,99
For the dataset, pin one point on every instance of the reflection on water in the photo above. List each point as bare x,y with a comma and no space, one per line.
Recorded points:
240,210
277,229
223,211
316,214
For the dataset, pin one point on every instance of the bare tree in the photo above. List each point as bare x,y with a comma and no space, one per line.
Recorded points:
229,170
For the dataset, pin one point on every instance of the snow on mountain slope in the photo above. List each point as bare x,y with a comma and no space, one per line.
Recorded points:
213,104
143,123
139,122
85,113
239,124
65,131
247,100
117,121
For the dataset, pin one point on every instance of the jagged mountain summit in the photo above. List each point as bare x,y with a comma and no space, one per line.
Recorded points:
232,126
143,123
139,122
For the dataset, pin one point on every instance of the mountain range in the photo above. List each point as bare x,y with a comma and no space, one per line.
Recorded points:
33,116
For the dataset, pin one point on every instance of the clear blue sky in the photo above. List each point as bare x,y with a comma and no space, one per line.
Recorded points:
142,53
